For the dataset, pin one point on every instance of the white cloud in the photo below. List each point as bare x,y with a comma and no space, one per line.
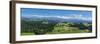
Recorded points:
73,16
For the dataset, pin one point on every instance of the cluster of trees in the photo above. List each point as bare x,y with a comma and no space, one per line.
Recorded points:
44,27
36,27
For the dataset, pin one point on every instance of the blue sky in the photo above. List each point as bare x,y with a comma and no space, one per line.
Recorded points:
65,14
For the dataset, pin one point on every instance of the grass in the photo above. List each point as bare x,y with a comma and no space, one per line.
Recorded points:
66,30
25,33
61,31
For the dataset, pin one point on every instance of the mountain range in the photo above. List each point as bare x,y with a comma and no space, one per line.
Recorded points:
55,19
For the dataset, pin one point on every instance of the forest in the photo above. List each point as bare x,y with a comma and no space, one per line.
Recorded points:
41,27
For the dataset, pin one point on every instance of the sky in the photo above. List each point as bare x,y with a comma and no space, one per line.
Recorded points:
64,14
